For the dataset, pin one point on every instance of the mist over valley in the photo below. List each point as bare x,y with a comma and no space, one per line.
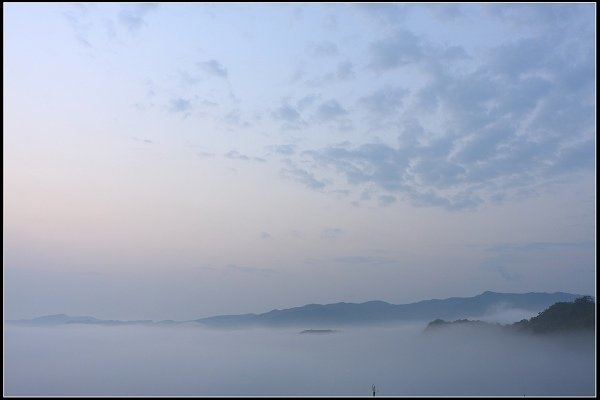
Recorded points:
192,359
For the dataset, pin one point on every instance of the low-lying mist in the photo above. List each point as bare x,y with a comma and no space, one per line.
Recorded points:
400,360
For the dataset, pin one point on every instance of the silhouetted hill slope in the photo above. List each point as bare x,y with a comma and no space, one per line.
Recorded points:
578,315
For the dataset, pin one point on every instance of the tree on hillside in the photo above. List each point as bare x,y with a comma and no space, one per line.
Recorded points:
563,316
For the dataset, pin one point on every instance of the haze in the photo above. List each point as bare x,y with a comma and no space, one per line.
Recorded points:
400,361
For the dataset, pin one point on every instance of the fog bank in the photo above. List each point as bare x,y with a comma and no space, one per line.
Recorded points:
400,361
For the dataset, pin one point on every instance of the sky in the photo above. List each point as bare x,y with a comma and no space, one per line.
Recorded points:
177,161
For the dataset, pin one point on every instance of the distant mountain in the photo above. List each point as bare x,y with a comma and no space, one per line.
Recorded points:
346,314
578,315
62,319
58,319
380,312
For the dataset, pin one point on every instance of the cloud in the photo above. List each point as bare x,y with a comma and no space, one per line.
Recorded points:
575,157
484,143
353,260
298,74
213,68
451,172
549,17
445,12
307,101
146,141
235,155
284,149
345,71
81,22
512,261
249,270
386,200
329,110
332,233
93,30
132,15
403,48
207,103
187,79
287,113
330,22
180,105
520,118
321,80
265,235
324,49
523,248
377,163
205,154
386,14
523,56
233,117
301,175
384,102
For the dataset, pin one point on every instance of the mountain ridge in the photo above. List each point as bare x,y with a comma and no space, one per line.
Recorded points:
343,313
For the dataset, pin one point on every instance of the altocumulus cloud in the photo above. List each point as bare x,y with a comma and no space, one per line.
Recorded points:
329,110
402,48
384,101
95,27
294,172
521,116
289,116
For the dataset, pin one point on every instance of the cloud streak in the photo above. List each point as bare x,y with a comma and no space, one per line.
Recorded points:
132,15
294,172
236,155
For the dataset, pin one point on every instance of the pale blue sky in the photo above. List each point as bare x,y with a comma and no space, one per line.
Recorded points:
185,160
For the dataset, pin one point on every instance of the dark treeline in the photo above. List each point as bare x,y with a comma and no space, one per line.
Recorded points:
579,314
